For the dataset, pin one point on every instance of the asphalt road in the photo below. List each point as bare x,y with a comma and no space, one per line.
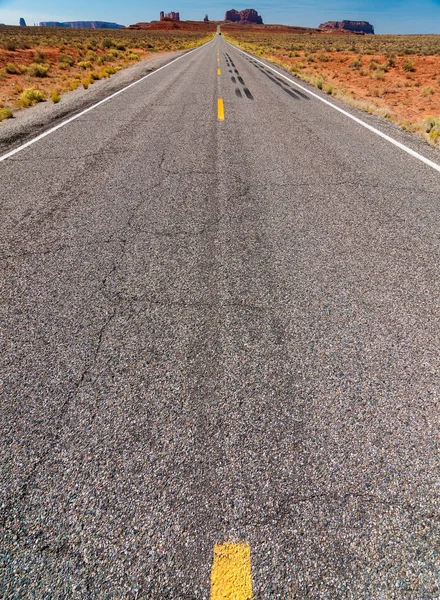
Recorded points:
219,331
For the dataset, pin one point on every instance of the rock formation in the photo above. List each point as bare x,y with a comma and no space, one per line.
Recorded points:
206,19
83,24
244,17
174,16
22,22
354,26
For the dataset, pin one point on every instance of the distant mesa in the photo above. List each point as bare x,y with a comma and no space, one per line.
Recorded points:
83,25
353,26
22,22
249,16
172,16
206,19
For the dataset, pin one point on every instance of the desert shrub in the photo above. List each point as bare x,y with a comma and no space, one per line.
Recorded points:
431,128
12,69
408,66
91,79
108,43
319,83
38,57
121,46
10,45
31,96
65,59
328,89
91,56
429,123
36,70
356,63
5,113
109,71
323,58
391,61
85,64
428,91
108,57
55,97
133,56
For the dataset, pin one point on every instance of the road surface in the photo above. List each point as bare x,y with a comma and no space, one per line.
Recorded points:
219,337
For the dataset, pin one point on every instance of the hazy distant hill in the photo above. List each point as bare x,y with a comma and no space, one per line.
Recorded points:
83,24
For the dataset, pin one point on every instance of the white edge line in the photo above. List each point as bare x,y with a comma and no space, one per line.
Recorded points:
413,153
53,129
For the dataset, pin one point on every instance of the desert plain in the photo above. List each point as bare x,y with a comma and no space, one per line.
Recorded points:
396,77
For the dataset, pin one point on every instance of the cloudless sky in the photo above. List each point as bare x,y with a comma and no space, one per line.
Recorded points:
387,16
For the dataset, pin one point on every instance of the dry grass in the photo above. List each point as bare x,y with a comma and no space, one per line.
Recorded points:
394,77
57,60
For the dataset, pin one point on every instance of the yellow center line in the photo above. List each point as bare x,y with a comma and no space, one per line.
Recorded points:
218,60
231,576
221,110
219,72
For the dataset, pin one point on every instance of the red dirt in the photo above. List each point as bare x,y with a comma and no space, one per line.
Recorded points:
58,80
225,27
410,95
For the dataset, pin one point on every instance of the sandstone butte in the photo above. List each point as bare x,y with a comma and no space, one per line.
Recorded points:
350,26
247,19
247,16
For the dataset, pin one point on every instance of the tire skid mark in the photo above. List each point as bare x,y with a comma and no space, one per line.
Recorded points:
296,94
238,92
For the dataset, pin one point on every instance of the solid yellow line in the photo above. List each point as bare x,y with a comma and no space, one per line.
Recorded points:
219,72
221,110
231,577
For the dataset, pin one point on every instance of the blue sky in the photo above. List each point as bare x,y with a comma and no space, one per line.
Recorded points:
387,16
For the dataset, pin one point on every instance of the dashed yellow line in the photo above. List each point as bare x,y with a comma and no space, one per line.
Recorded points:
221,110
231,576
218,60
219,72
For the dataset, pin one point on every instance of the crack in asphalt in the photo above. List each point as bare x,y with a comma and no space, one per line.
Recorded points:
97,154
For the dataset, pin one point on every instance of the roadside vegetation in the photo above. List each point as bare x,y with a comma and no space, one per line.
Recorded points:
396,77
40,64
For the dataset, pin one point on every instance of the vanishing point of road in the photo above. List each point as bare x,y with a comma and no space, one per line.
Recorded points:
219,321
